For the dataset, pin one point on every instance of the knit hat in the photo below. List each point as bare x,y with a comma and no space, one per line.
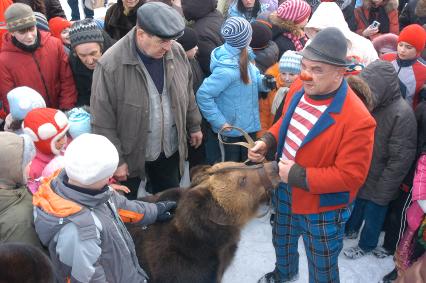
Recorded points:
290,62
46,126
189,39
295,11
41,21
19,16
57,25
90,158
237,32
414,35
262,34
85,31
22,100
386,43
79,120
328,46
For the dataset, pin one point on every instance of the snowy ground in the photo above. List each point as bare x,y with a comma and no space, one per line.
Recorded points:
255,256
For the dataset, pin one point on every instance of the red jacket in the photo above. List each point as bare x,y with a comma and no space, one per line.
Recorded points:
45,69
336,152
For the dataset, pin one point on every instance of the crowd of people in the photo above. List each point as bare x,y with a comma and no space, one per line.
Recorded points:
97,113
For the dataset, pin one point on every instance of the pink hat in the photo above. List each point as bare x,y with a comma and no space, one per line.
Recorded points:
294,11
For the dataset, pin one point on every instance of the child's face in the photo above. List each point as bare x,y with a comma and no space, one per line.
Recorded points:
65,36
288,78
59,144
191,53
406,51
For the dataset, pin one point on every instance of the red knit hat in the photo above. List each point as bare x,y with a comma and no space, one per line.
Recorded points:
57,25
46,126
294,11
414,35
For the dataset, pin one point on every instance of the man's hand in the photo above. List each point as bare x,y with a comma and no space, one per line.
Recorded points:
164,210
122,172
284,168
258,152
196,139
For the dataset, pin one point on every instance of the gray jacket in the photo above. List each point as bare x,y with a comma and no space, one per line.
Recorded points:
86,238
119,102
395,136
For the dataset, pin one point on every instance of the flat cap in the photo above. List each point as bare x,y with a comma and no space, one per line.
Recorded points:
161,20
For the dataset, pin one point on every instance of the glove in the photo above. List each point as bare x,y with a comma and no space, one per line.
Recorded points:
269,82
163,210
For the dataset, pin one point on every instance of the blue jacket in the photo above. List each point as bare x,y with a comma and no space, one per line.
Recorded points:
224,98
233,11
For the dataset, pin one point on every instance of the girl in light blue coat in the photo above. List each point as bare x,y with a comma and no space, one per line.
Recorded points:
250,9
229,96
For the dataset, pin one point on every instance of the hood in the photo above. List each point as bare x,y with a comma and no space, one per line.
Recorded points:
10,47
9,198
420,10
197,9
11,159
108,41
388,4
382,79
225,56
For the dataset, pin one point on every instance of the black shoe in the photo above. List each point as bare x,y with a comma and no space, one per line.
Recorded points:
391,276
274,277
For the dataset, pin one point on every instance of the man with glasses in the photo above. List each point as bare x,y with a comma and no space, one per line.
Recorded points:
142,100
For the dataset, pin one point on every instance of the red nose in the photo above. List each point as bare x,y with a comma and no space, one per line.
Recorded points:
304,76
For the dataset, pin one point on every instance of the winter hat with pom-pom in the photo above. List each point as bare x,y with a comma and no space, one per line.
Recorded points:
90,158
22,100
414,35
79,120
237,32
290,62
295,11
46,126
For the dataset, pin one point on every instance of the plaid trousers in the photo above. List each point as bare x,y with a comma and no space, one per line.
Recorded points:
322,235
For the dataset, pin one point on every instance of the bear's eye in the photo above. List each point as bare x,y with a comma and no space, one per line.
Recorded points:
243,181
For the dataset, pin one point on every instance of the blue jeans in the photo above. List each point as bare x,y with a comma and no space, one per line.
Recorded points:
75,12
374,216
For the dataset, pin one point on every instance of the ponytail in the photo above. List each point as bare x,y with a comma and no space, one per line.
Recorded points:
244,61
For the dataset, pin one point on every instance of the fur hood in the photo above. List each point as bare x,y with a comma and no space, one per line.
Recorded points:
421,9
388,4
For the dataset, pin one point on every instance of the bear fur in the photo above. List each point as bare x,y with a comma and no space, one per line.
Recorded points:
199,243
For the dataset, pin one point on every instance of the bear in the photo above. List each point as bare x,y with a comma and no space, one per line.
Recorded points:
199,243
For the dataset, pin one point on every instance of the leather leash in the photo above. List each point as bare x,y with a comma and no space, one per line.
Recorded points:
249,144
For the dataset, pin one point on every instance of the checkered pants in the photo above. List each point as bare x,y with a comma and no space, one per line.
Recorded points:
322,235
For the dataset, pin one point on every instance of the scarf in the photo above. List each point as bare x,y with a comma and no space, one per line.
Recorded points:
298,44
27,48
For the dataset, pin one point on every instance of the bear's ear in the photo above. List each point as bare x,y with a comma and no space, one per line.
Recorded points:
199,174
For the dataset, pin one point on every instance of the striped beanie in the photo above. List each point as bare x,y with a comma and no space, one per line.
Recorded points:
295,11
41,21
237,32
19,16
290,62
85,31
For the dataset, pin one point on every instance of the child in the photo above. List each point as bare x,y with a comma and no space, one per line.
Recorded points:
16,210
77,217
47,127
21,101
248,10
411,68
60,28
79,121
265,50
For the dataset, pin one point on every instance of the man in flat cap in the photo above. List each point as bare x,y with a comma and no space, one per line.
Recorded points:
325,143
142,100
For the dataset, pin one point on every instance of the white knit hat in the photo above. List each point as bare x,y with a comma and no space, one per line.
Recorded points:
90,158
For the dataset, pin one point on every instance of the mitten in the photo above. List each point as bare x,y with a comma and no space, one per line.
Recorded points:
164,210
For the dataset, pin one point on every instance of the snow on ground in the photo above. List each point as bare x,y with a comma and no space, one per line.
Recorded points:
255,256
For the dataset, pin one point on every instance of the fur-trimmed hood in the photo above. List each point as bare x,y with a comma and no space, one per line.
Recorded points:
388,4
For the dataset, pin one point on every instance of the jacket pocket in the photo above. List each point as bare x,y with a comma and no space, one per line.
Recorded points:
333,199
129,126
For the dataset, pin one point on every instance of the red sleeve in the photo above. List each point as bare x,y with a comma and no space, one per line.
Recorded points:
393,22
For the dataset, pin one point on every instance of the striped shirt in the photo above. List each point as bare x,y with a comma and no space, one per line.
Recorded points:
306,114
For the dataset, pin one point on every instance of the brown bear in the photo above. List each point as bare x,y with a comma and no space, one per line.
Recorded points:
199,243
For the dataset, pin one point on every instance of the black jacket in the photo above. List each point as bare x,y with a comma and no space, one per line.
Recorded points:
117,24
83,76
413,13
266,57
395,138
51,9
207,23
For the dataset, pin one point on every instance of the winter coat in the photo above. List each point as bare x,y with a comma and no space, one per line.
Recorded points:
234,12
39,162
207,23
119,102
4,4
83,76
117,24
51,9
197,74
16,209
266,57
347,7
388,21
413,13
336,166
46,70
86,238
224,98
395,137
328,14
411,75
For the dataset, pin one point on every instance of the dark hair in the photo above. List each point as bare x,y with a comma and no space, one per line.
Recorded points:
254,12
36,5
24,263
244,61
